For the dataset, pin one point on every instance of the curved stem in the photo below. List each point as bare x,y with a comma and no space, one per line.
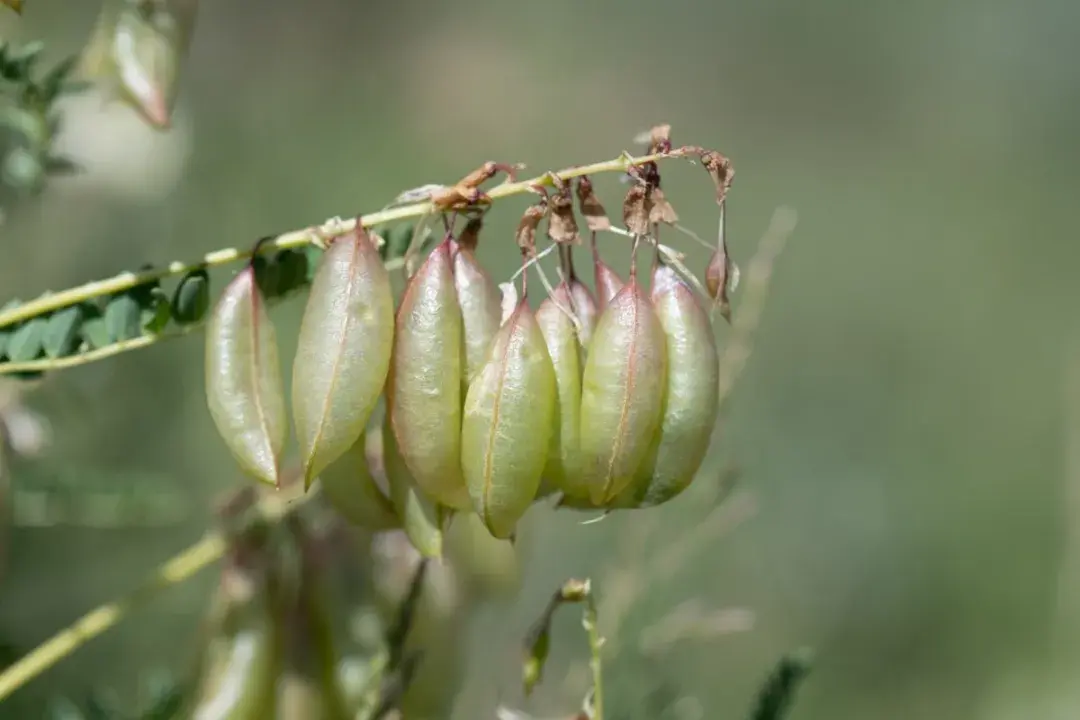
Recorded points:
294,239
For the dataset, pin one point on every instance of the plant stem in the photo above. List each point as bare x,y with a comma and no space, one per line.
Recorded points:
296,238
596,645
173,571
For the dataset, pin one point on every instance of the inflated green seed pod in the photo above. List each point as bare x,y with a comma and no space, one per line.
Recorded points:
239,666
691,402
608,283
507,426
490,567
351,489
584,306
244,387
622,393
343,352
424,392
562,470
421,518
481,308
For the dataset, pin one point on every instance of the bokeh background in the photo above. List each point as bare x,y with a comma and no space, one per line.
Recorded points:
903,425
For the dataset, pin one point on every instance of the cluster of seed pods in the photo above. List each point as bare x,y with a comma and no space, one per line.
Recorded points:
607,398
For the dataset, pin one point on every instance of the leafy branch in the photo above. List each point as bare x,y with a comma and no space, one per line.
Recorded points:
130,310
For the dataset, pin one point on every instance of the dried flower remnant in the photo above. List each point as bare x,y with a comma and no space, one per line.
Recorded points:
525,235
469,237
562,226
589,205
637,208
721,172
720,272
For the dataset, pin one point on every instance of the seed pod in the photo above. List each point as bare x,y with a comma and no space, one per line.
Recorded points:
244,387
490,566
561,471
608,282
506,430
622,393
481,310
425,387
420,517
691,402
584,306
343,352
351,489
238,668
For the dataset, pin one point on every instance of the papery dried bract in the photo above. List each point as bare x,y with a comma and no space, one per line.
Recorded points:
420,517
350,486
424,393
562,226
507,424
479,298
691,398
661,210
244,387
636,209
561,470
622,393
343,352
596,218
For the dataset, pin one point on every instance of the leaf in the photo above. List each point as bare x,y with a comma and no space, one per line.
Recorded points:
6,331
123,317
155,311
62,334
343,352
191,298
778,692
244,386
94,331
622,392
507,424
292,269
26,341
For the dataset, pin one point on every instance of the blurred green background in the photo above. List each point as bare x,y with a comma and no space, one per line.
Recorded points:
902,424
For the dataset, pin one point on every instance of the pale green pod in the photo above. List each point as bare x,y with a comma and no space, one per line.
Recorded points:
421,518
491,568
481,308
424,392
352,491
343,351
506,430
584,306
622,393
562,469
244,387
691,402
608,283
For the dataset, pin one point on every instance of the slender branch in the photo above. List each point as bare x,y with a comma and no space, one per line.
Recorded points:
596,644
173,571
297,238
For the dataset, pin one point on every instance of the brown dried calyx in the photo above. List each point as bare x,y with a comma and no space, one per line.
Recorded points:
562,225
466,193
470,234
721,172
596,218
525,236
660,139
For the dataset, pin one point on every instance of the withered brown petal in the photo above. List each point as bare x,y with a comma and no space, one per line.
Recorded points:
244,387
636,209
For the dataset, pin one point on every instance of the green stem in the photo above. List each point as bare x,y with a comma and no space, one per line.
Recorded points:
293,239
596,645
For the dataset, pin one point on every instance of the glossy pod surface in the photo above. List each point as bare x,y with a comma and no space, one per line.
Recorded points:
507,425
584,306
424,395
244,388
622,393
343,351
562,469
481,308
691,401
352,491
420,516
